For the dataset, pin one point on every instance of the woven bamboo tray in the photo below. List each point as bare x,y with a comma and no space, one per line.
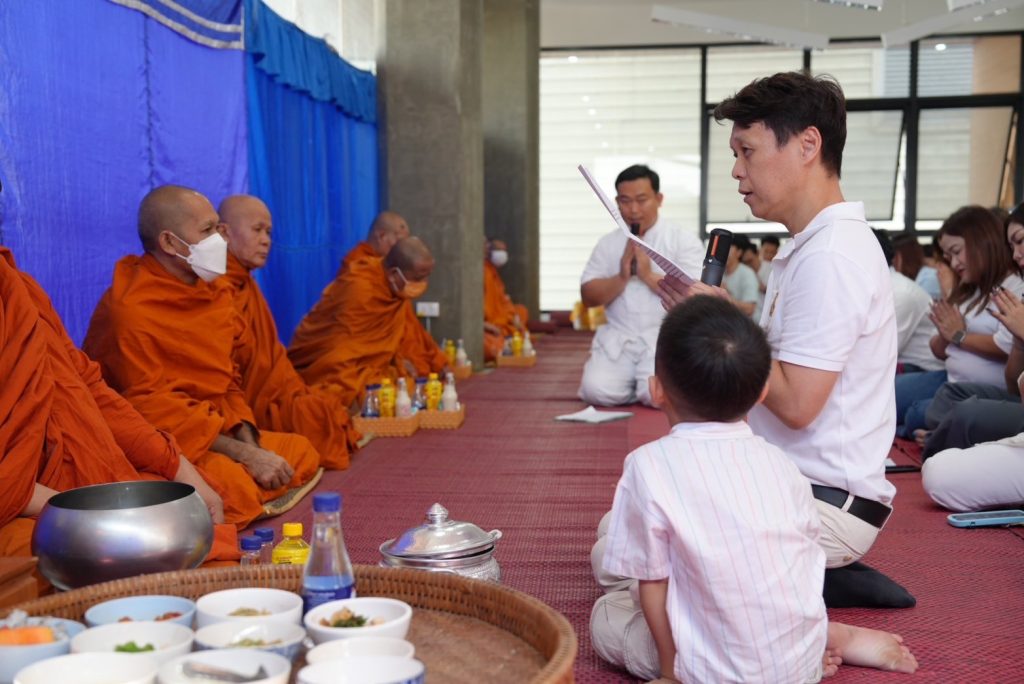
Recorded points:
517,361
462,372
465,631
442,420
387,427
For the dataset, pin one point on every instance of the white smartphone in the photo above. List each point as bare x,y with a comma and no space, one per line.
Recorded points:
986,518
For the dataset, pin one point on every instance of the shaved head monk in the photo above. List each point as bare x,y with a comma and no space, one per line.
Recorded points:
279,398
364,326
501,316
62,427
388,228
164,334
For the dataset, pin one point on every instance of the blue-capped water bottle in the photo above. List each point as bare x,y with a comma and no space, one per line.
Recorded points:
328,572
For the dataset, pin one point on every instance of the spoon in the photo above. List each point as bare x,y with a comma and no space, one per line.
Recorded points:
197,670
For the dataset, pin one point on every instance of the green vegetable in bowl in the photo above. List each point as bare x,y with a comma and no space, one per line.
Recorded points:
132,647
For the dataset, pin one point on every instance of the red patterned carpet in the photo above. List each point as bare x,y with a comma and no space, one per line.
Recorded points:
546,484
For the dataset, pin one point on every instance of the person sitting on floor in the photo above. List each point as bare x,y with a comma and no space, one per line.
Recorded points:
501,317
909,259
623,279
387,228
740,281
164,334
367,326
720,531
279,398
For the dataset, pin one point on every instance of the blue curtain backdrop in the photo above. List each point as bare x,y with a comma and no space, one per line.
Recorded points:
312,157
98,105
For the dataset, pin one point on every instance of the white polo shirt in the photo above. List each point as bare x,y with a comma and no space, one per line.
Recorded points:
966,366
829,306
914,329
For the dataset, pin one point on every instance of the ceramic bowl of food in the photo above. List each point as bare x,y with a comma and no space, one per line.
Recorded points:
282,638
248,605
360,647
24,642
91,668
226,665
364,670
160,640
123,529
142,609
358,617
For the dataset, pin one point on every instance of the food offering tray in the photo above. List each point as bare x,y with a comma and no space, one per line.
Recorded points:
442,420
387,427
517,361
462,372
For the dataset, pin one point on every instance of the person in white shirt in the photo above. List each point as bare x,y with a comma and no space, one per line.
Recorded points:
829,317
720,530
622,278
740,281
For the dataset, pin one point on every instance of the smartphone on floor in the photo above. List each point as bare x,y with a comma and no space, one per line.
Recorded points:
986,518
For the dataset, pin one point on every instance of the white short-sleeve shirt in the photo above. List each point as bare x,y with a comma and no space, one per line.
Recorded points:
730,522
639,309
965,366
743,286
829,306
914,329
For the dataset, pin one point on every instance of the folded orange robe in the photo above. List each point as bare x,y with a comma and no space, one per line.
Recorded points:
167,347
60,425
279,398
359,332
498,310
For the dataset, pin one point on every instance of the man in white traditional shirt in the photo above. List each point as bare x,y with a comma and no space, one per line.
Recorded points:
622,278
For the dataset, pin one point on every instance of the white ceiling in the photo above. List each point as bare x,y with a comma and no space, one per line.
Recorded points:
609,23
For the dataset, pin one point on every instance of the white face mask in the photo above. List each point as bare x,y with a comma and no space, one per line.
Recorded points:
208,257
499,257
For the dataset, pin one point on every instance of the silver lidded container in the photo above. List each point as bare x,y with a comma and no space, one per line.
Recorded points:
443,545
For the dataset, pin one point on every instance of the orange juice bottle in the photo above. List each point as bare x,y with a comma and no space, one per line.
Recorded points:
434,390
387,398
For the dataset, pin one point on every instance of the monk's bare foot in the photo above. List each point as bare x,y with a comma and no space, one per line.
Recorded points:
830,662
871,648
268,469
921,436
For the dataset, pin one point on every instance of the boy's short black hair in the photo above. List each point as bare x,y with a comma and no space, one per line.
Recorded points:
712,359
770,240
636,172
743,243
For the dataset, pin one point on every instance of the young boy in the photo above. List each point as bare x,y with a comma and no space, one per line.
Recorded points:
720,529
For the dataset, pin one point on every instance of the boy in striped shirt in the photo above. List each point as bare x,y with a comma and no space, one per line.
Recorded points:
721,531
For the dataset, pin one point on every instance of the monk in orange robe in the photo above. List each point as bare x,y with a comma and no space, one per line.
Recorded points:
165,333
62,427
369,329
501,317
279,398
388,228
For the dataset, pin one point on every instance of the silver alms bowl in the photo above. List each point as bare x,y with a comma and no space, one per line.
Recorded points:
111,531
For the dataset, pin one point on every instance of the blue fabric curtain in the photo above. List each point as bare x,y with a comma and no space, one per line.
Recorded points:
98,105
312,158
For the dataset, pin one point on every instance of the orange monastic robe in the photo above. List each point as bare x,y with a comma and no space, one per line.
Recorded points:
60,424
361,251
498,310
167,347
360,331
279,398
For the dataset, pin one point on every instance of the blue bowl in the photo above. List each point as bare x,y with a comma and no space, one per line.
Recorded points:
144,608
15,658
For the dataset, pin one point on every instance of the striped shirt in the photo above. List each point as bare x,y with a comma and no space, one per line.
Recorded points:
730,522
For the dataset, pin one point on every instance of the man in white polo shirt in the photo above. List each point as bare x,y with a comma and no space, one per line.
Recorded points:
828,313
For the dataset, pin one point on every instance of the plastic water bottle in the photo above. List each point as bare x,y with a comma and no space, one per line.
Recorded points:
449,398
328,572
419,395
371,405
403,404
250,550
387,398
266,537
528,345
461,357
293,549
433,390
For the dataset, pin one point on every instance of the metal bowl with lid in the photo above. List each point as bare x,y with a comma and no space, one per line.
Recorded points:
443,545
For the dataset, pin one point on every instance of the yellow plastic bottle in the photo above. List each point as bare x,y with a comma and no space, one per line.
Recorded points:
387,398
292,549
434,389
517,344
450,350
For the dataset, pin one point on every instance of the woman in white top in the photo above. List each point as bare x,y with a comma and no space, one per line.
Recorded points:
970,339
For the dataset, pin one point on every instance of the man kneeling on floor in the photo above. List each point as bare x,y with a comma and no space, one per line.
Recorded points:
720,530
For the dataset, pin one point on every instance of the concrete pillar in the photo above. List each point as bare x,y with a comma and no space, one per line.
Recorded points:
511,54
429,98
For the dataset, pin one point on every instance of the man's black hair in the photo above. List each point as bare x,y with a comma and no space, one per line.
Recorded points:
770,240
636,172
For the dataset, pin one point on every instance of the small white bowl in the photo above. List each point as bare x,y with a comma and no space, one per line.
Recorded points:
396,615
16,658
242,661
360,647
277,603
145,608
91,668
227,634
364,670
169,639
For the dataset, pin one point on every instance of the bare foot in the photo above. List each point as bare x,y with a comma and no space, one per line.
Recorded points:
921,436
830,662
870,648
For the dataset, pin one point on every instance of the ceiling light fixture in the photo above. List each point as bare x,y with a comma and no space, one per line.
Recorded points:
955,5
975,11
859,4
713,23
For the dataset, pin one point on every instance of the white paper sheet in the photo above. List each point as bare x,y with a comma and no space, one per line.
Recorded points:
592,415
666,264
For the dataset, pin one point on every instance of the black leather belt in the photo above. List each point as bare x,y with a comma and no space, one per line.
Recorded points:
871,512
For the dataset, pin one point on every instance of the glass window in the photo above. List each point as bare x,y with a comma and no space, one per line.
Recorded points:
731,68
968,66
866,71
610,110
871,159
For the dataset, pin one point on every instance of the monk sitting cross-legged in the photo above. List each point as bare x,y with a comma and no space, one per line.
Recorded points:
279,398
370,330
501,316
62,427
164,334
388,228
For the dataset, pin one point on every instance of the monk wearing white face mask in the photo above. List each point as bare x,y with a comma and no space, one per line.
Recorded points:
366,327
164,334
501,316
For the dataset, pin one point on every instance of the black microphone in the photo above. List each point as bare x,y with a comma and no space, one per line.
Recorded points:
719,243
635,229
